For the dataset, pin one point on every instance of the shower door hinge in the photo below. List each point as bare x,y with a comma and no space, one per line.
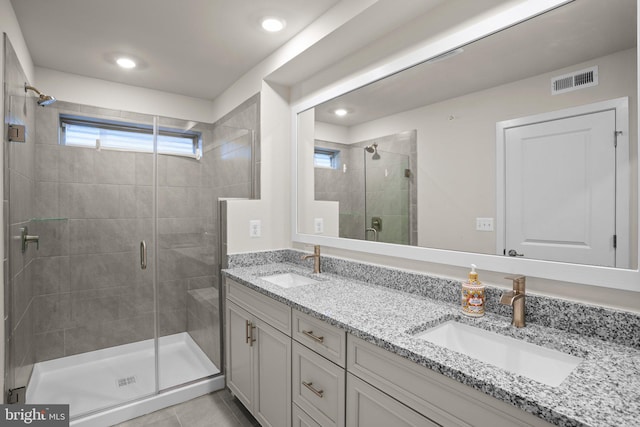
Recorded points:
16,133
16,395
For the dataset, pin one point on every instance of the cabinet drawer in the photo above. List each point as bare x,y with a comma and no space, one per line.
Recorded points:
318,386
324,339
271,311
301,419
369,407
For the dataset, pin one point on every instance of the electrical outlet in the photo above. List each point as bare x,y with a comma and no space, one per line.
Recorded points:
255,228
318,225
484,224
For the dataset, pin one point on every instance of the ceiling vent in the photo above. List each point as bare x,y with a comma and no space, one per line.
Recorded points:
574,81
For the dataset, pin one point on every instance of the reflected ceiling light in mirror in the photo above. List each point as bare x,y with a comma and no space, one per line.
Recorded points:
126,63
272,24
340,112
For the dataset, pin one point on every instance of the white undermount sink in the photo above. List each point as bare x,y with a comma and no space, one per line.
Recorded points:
538,363
289,280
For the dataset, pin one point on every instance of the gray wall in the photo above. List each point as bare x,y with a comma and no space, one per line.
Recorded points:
19,185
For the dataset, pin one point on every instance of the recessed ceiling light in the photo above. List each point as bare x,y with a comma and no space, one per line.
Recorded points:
272,25
340,112
126,62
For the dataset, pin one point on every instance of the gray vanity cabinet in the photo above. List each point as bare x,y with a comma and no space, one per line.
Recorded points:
369,407
258,354
289,368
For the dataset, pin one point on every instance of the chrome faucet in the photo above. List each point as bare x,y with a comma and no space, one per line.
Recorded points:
375,233
515,299
316,259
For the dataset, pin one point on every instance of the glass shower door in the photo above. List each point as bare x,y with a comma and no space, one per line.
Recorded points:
94,312
19,288
387,197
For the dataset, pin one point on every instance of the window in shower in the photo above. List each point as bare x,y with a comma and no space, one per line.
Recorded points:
111,135
326,158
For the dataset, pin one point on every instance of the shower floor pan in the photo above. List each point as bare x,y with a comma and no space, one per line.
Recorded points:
112,376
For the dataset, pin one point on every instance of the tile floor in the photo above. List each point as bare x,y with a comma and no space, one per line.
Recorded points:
219,409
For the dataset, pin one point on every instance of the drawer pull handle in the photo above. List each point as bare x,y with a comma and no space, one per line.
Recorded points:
318,393
313,337
249,338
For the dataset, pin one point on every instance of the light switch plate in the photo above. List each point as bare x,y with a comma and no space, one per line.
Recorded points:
484,224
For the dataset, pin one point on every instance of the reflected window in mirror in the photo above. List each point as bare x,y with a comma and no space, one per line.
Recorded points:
326,158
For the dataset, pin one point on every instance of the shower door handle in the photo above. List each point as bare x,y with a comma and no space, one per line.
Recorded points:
143,255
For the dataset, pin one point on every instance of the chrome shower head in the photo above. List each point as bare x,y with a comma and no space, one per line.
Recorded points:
373,148
43,100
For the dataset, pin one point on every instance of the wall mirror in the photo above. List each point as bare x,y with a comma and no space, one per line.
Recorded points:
518,150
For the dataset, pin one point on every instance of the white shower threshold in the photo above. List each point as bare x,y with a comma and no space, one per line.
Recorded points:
103,379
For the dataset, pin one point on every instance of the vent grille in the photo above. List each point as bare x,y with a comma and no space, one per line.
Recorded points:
574,81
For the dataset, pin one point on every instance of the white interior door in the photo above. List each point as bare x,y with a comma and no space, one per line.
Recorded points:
560,189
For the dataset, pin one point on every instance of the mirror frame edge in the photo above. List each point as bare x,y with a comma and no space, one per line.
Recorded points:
607,277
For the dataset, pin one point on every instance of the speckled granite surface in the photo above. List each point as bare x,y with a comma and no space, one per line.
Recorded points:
615,326
604,390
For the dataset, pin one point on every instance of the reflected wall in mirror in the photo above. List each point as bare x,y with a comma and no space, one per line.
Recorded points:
456,104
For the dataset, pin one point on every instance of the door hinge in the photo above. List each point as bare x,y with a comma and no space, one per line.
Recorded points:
615,241
616,134
16,133
16,395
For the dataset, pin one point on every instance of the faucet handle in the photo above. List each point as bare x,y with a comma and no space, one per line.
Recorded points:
518,282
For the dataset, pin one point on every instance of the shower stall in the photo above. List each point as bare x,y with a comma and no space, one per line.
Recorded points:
374,183
113,252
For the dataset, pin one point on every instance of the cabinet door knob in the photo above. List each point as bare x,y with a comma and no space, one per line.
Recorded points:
313,337
319,393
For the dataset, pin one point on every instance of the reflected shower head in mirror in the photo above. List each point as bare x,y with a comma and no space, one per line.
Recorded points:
43,100
373,148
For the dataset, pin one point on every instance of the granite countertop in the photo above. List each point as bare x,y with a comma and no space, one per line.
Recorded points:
604,390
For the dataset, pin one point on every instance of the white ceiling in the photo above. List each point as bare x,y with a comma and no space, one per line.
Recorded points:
195,48
575,33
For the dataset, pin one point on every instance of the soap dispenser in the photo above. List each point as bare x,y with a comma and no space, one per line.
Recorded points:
473,295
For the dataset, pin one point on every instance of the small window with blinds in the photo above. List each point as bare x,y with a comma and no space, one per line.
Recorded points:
326,158
111,135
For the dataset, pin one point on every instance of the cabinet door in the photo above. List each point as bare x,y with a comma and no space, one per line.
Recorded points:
272,376
239,354
369,407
